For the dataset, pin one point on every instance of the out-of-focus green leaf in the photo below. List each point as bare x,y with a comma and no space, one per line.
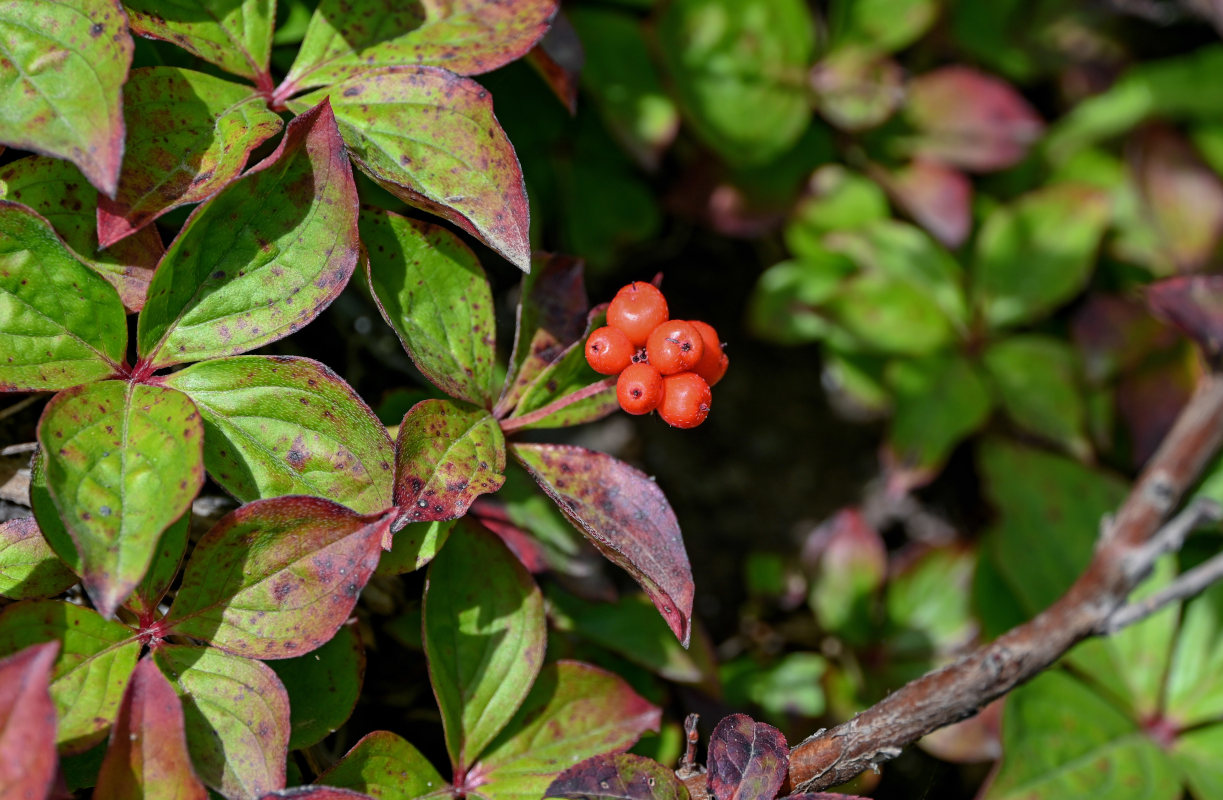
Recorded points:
890,316
940,399
850,567
837,200
1196,753
784,305
1038,384
880,25
856,89
1195,677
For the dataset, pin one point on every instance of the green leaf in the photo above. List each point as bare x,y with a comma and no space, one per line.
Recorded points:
276,578
27,723
784,306
940,399
1060,740
740,70
857,89
1196,753
262,257
124,461
323,687
928,611
849,571
414,546
60,323
29,567
880,25
1195,676
574,711
63,78
280,425
447,455
619,776
837,199
430,288
568,374
164,569
195,133
430,138
484,635
466,37
95,659
236,36
1038,383
387,767
1037,253
236,714
885,315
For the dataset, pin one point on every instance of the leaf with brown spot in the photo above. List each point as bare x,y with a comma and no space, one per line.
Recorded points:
624,513
748,760
430,138
387,766
147,756
29,568
276,578
123,462
27,722
196,133
447,455
236,716
236,36
262,257
62,78
467,37
618,776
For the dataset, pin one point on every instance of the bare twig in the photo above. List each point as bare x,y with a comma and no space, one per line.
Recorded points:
960,689
1189,583
18,449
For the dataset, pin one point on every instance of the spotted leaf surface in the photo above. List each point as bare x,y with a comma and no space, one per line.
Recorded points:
261,258
430,138
236,717
385,766
236,36
618,776
29,567
279,425
96,656
447,455
467,37
430,288
62,79
748,760
60,323
323,686
147,756
624,513
276,578
574,711
27,722
191,135
567,374
484,635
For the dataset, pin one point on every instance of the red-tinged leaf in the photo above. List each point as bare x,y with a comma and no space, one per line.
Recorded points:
29,568
236,36
467,37
857,89
387,767
568,375
484,636
1150,399
262,257
1195,305
96,657
447,455
60,324
847,560
823,796
624,513
147,756
748,760
429,137
276,578
55,189
236,715
63,80
27,723
196,133
972,120
936,197
123,462
316,793
1182,196
1113,334
619,776
559,58
281,425
574,711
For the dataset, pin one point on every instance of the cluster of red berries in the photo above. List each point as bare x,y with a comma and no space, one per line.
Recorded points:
664,364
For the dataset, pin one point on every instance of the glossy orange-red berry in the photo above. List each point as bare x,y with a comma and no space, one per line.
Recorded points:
674,346
686,400
714,362
608,350
639,388
637,309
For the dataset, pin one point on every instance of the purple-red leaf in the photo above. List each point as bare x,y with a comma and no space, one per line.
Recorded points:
970,119
624,513
937,197
27,722
559,59
1182,196
1195,305
618,776
147,756
748,760
315,793
276,578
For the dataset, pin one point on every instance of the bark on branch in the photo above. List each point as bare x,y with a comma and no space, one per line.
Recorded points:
1125,553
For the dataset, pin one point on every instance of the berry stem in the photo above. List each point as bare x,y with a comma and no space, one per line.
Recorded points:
518,423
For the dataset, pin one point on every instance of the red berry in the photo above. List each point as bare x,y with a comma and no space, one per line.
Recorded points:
639,388
714,362
674,346
608,350
685,400
637,309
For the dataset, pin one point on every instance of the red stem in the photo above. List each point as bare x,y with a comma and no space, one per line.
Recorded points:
513,424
